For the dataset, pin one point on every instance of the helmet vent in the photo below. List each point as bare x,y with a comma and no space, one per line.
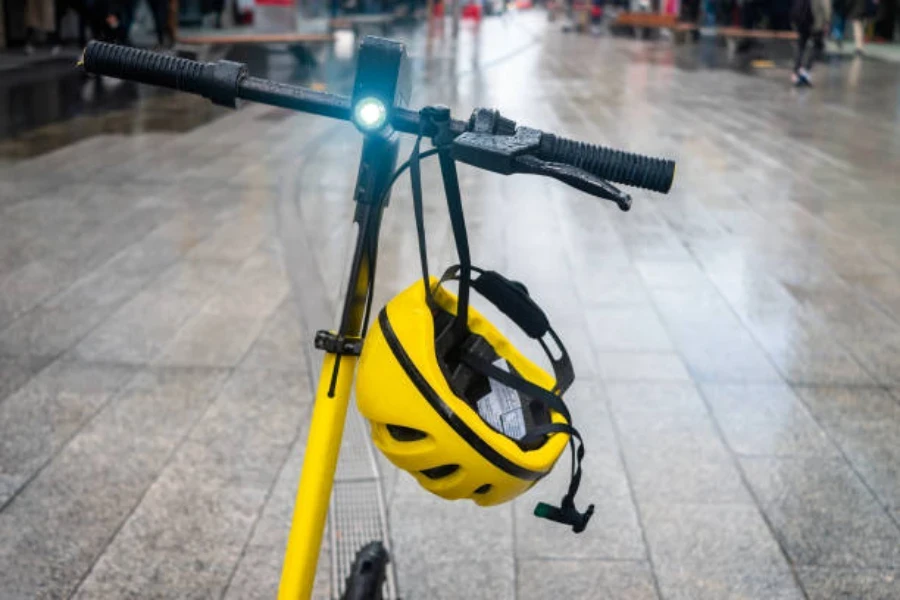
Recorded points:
405,434
439,472
484,489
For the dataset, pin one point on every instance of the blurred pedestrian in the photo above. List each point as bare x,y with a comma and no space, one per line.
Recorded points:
810,17
40,21
216,7
860,11
160,10
752,12
108,20
838,21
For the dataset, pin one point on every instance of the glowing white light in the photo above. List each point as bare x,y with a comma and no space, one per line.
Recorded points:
370,113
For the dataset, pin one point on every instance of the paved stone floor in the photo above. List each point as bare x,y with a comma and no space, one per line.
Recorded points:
737,342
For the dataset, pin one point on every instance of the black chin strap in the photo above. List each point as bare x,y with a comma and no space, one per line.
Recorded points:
457,222
566,512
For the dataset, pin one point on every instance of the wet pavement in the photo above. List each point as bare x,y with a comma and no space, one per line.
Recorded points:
737,342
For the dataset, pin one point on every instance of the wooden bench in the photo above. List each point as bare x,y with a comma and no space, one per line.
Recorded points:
733,34
223,38
298,43
384,21
644,21
741,33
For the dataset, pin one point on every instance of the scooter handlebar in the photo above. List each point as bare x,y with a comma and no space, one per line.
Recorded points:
636,170
218,81
224,82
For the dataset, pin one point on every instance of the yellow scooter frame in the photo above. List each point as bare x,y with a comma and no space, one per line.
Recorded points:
314,492
381,74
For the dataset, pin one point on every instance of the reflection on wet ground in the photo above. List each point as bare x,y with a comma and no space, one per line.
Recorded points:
47,106
737,342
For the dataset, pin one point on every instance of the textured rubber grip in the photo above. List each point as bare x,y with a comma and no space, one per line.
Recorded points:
613,165
217,81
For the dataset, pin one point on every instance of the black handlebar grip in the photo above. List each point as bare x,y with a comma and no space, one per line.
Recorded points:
613,165
218,81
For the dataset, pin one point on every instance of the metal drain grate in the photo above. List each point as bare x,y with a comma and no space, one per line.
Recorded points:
357,515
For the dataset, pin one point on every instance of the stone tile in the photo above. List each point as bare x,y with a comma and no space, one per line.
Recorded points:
716,551
282,344
672,450
188,533
805,351
653,244
55,528
811,365
99,244
41,417
671,274
212,340
641,366
763,419
140,330
627,328
853,318
613,532
253,299
256,290
426,527
715,346
15,371
874,584
584,580
610,285
25,288
236,239
57,324
725,355
822,513
865,423
485,577
879,355
259,570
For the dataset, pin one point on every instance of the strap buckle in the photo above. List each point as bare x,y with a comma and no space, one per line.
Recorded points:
566,514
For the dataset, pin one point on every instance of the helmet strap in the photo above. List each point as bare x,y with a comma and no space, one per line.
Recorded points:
526,316
461,237
566,513
457,219
415,176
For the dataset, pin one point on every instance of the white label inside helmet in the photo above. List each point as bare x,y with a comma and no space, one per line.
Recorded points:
502,408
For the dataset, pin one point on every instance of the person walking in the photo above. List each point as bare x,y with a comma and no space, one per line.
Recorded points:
811,18
860,11
40,19
839,21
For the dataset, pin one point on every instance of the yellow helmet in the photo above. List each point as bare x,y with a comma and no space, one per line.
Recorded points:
450,399
467,416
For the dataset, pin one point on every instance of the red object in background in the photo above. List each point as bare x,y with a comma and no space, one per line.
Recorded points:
520,4
471,11
596,12
438,10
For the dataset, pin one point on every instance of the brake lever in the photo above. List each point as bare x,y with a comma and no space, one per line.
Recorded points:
497,145
575,177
